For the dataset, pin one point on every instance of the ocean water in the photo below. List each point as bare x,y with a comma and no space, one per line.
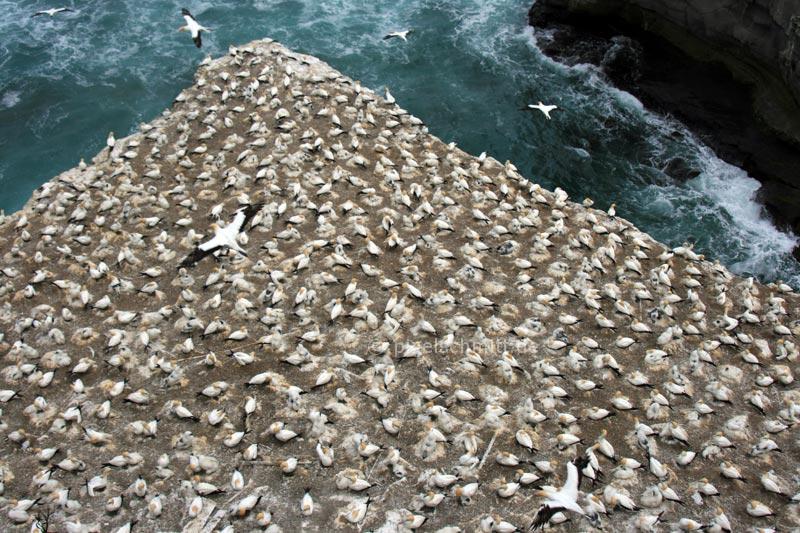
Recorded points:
467,69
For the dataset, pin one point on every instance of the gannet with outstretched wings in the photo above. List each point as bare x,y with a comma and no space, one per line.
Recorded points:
53,11
545,109
193,27
399,34
563,499
224,236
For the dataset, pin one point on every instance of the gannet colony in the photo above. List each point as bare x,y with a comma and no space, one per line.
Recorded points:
284,306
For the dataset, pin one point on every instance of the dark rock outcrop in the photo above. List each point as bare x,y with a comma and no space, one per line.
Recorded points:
757,40
728,69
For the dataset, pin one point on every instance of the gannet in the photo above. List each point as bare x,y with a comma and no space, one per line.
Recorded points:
401,34
545,109
565,499
52,11
388,96
224,237
193,27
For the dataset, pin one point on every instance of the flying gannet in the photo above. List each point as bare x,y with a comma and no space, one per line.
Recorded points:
545,109
193,27
400,34
52,11
563,499
224,237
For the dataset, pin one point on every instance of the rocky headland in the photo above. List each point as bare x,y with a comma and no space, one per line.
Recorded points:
416,338
728,69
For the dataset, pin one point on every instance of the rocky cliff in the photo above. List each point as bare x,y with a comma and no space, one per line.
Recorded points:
758,40
412,339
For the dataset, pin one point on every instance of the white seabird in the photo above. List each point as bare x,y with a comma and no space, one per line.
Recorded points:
563,499
224,237
545,109
399,34
388,96
52,11
193,27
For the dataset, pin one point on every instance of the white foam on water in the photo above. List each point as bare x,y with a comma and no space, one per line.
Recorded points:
489,29
626,99
531,38
88,49
10,99
580,152
747,239
734,191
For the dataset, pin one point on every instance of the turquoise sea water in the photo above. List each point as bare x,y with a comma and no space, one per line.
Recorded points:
66,82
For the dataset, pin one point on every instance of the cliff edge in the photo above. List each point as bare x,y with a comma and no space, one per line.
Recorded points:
413,339
757,40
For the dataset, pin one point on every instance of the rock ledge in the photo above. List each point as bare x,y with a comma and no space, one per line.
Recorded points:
416,338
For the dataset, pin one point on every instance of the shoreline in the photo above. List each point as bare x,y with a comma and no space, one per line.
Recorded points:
301,386
704,96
